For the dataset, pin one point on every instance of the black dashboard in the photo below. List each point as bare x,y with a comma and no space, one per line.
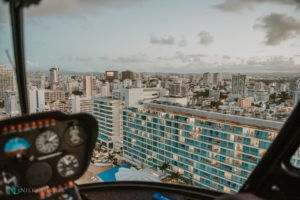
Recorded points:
44,149
42,154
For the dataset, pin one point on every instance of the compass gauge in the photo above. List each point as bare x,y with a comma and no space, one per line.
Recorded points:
74,136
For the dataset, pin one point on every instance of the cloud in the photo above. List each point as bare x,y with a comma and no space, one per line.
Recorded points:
160,40
182,42
73,7
138,58
185,58
271,61
195,63
278,27
226,57
240,5
32,64
205,38
83,58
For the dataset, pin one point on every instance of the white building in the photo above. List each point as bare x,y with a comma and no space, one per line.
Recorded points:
105,90
108,113
238,86
183,101
135,96
296,97
36,100
127,83
208,78
54,77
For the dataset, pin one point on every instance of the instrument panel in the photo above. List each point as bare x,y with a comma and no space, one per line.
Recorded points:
45,149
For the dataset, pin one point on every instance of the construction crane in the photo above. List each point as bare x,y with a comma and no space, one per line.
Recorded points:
10,60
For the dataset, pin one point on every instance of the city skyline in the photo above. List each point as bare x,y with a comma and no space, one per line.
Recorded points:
209,129
153,37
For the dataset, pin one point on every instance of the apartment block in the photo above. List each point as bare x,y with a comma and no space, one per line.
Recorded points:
108,113
216,151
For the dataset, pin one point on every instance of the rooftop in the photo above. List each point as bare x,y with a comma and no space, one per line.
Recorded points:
252,122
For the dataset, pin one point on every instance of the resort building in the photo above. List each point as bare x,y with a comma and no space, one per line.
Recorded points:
213,150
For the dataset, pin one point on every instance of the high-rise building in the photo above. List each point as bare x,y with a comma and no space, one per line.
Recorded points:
6,80
54,77
239,86
11,103
105,90
127,75
89,86
82,104
294,84
296,97
178,90
111,75
36,79
208,78
212,150
217,79
175,89
108,113
36,100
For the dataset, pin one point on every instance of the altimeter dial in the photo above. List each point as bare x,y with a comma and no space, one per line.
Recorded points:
47,142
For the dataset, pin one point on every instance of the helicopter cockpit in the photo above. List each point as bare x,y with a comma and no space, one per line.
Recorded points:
54,149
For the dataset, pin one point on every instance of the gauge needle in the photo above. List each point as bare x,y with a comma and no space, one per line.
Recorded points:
66,161
52,138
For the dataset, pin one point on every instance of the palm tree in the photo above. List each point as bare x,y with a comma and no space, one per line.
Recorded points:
164,167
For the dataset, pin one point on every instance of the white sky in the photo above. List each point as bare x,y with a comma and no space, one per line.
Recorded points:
160,36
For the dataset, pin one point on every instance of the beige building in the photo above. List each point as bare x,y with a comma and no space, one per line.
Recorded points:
54,95
245,102
89,85
82,104
6,80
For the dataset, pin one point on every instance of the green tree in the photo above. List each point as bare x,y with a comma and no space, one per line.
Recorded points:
76,92
164,167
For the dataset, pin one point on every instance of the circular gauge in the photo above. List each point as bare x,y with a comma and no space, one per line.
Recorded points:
47,142
8,181
16,146
74,136
39,174
67,166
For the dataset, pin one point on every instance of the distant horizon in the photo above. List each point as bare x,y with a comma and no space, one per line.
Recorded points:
63,71
159,36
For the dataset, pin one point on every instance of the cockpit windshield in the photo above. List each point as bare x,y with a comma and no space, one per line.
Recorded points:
184,92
